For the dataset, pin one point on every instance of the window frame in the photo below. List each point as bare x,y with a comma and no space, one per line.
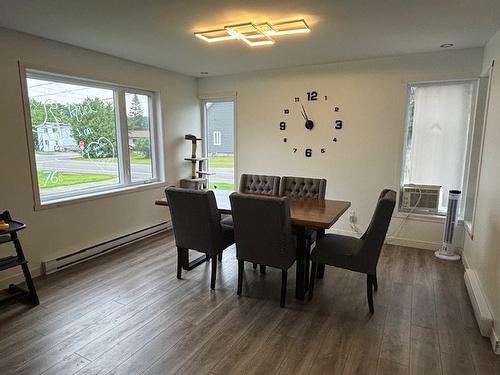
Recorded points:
123,156
470,132
480,132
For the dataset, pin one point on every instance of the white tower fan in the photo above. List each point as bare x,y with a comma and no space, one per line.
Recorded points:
447,251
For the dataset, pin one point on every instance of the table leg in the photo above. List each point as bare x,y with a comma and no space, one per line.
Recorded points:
321,267
300,286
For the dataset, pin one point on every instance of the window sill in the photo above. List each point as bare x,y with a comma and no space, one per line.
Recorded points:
430,218
98,195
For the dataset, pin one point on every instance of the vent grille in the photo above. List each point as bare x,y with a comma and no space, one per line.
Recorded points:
421,197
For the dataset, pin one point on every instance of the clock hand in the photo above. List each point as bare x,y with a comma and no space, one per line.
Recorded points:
304,114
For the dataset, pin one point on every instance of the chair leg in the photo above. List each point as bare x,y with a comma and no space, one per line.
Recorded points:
180,261
369,290
283,287
375,283
241,267
321,271
214,272
314,267
255,266
220,257
262,268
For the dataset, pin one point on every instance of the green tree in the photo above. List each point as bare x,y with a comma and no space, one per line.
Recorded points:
142,145
136,118
96,128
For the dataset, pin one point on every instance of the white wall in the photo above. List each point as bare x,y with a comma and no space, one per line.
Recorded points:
367,157
482,253
73,227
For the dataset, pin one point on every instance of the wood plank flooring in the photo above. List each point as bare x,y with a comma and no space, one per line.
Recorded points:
126,313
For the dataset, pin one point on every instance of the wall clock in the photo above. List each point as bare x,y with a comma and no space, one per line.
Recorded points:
310,124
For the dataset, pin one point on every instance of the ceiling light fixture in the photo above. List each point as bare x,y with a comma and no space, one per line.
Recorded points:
254,34
446,45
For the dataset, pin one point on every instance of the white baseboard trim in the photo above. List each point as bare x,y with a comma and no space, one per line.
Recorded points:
56,263
59,262
495,341
419,244
398,241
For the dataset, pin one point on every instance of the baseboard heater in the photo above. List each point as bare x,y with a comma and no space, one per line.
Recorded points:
478,301
59,263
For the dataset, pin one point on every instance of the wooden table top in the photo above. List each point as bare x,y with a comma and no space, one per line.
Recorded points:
304,212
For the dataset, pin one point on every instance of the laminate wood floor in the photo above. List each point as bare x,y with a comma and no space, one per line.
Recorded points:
126,313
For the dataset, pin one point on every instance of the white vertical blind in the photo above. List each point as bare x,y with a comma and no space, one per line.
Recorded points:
437,144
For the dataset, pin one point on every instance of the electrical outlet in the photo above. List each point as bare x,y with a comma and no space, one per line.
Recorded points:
352,216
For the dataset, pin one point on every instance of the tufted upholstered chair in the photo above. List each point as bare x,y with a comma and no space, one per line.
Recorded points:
197,226
263,234
259,184
303,187
357,254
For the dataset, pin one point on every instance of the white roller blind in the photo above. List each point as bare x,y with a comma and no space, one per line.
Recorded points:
437,143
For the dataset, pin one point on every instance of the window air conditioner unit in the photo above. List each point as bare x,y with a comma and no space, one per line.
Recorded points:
421,197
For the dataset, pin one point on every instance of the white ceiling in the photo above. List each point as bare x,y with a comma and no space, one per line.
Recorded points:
160,33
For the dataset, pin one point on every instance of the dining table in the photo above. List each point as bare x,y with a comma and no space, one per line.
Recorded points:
305,214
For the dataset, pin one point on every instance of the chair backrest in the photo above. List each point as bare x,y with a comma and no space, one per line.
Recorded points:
195,219
263,230
375,233
259,184
303,187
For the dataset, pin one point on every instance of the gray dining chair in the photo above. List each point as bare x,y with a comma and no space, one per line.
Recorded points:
259,184
197,226
357,254
305,188
263,234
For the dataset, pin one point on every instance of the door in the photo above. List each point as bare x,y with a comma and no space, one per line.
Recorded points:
219,143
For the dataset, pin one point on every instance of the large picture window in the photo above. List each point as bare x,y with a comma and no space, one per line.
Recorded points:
88,137
439,123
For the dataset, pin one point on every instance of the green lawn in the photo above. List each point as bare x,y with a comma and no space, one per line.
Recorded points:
46,180
221,161
221,186
135,158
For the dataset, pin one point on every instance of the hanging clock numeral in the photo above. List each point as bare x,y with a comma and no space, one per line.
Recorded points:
308,152
294,150
323,150
335,139
284,139
282,125
297,99
338,124
326,97
312,95
336,109
286,111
